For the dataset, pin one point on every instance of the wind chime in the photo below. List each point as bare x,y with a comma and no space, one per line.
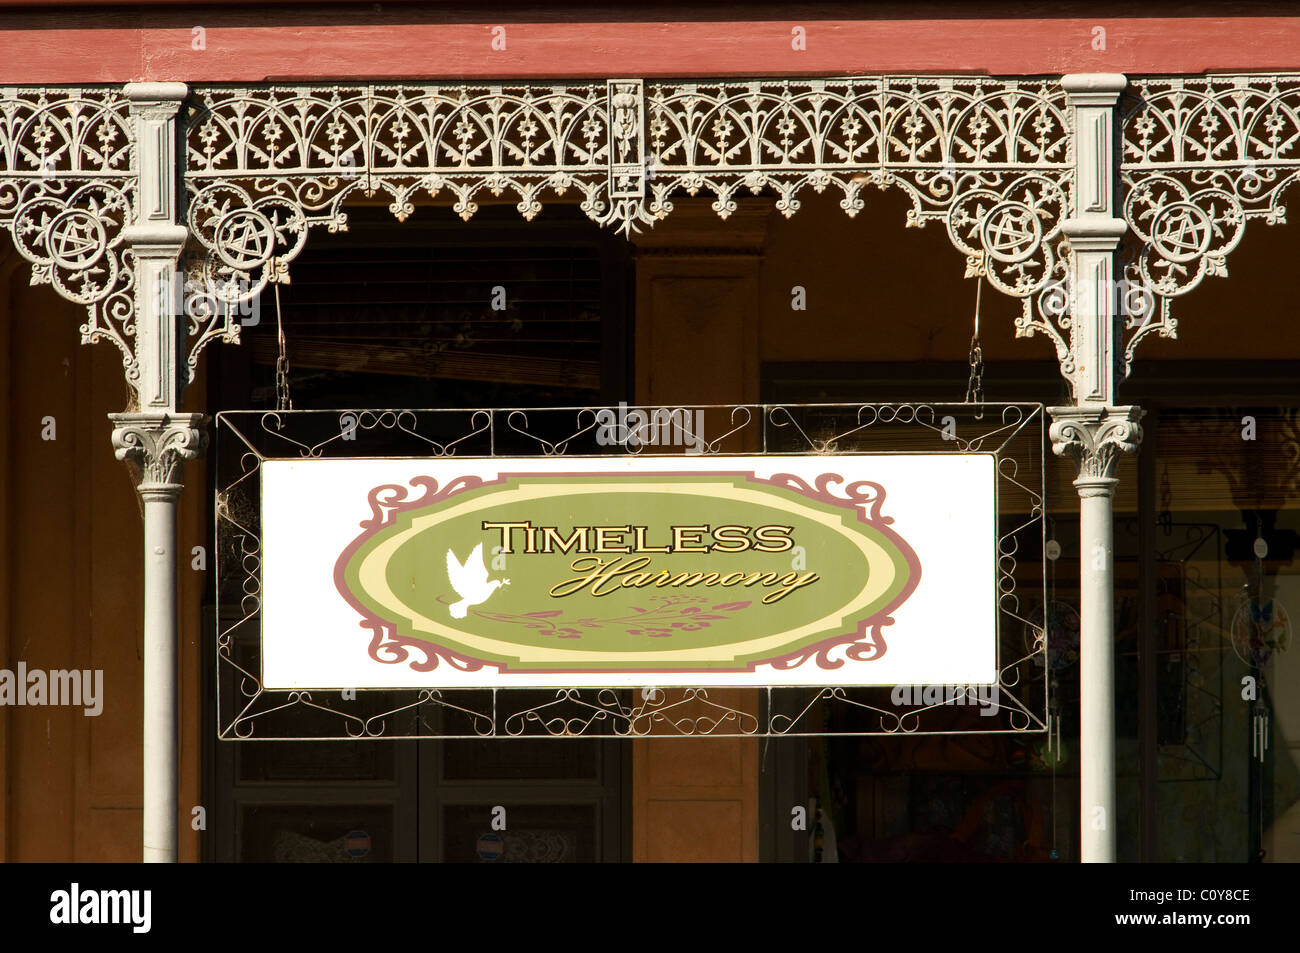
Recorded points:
282,398
1261,625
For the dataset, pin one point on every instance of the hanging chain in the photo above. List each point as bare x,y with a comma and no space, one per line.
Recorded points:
975,384
1165,516
282,400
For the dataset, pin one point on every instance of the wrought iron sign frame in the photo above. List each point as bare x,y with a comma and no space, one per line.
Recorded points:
1014,433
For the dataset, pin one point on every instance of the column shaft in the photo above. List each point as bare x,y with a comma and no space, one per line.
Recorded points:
1096,671
1096,437
156,446
160,637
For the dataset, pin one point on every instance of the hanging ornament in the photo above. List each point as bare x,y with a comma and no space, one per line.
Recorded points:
1061,623
282,399
1260,628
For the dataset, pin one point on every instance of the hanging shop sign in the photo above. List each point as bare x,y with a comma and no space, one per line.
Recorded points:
876,569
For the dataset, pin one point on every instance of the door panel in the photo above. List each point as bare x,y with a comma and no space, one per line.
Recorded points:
523,800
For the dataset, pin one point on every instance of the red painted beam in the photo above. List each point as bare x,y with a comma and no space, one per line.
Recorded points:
107,47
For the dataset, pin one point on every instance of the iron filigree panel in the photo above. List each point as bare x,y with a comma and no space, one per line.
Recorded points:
1200,157
67,187
990,159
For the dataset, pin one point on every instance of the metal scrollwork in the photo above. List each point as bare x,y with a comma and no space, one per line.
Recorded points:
1201,157
1009,236
67,185
988,158
246,243
1185,235
67,240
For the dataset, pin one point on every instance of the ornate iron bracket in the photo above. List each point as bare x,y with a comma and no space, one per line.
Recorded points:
1201,157
67,189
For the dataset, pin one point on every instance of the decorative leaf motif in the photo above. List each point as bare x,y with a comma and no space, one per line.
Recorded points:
673,612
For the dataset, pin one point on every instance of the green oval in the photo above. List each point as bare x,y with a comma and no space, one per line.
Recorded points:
640,610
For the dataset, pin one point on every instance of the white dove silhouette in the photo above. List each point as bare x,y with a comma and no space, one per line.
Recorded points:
470,581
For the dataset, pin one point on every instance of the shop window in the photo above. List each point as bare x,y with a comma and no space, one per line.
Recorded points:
496,313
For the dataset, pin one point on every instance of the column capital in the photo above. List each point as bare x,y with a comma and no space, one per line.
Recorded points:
1095,435
156,445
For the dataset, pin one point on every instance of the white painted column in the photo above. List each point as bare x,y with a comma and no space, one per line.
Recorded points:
160,674
156,445
1097,669
155,440
1095,433
1096,436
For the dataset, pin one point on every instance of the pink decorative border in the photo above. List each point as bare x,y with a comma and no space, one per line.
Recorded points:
866,644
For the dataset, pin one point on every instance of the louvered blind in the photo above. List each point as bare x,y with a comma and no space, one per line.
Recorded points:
429,312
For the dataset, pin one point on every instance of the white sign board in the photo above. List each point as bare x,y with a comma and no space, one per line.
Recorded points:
870,569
